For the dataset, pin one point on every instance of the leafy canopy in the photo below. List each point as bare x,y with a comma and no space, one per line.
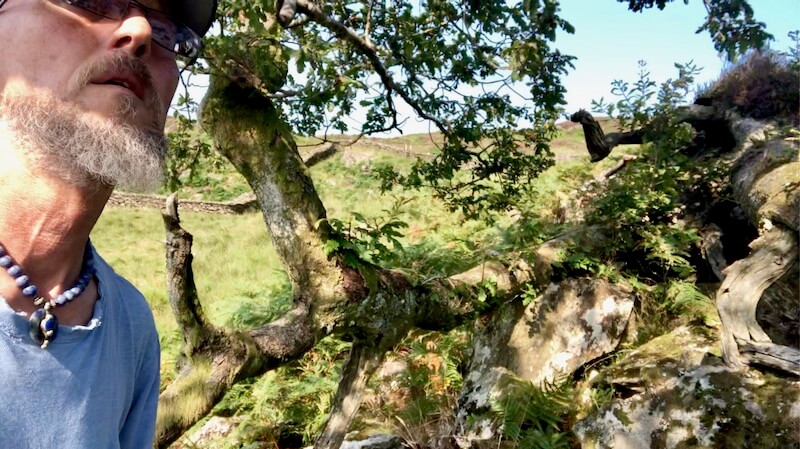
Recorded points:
486,74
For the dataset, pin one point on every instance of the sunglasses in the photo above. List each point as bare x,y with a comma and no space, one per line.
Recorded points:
167,33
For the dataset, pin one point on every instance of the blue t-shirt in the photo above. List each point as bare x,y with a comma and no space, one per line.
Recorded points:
94,387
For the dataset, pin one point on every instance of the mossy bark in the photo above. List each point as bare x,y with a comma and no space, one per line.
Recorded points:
248,131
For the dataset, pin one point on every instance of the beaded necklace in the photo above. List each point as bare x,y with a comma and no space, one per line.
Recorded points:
42,324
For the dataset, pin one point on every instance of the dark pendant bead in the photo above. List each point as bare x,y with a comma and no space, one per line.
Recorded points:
42,327
35,326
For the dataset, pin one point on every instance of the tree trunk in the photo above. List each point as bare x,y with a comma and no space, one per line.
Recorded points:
329,296
765,178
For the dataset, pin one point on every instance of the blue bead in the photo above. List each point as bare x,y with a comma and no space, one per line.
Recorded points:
5,261
76,291
61,300
22,281
14,271
49,323
29,290
2,251
69,295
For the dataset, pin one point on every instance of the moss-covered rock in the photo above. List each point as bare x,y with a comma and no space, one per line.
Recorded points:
675,392
572,323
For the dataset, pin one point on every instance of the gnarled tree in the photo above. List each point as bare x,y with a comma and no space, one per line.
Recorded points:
300,67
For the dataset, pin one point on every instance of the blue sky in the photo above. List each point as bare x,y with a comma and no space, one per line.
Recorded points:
609,40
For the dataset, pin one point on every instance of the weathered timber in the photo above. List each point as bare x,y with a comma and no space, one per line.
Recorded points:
364,359
215,358
773,254
598,143
623,162
765,180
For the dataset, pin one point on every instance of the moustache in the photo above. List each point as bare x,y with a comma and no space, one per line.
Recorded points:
122,62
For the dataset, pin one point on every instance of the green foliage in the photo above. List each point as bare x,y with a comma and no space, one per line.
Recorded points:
575,262
477,71
363,239
422,399
529,294
185,152
295,398
451,64
683,294
793,55
534,417
733,28
641,105
643,207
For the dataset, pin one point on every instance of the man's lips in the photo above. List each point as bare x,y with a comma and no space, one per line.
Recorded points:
126,79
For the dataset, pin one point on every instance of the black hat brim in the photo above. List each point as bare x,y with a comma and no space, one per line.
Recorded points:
196,14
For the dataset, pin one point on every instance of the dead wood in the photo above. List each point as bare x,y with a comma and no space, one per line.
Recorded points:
598,143
776,356
364,359
765,180
773,254
613,170
215,358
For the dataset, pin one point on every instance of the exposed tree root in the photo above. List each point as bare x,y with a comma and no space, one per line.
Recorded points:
745,281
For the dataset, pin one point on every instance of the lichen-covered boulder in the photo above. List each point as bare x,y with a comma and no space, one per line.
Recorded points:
675,392
571,323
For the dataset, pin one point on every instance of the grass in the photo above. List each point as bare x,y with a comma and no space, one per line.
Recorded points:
234,264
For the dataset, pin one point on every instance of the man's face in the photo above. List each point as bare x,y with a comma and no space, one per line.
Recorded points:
50,47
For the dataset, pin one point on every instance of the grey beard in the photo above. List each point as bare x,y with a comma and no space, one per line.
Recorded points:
69,144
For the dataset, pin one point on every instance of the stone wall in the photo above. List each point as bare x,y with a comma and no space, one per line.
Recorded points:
244,203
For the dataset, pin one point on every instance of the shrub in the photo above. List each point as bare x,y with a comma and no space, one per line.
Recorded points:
761,85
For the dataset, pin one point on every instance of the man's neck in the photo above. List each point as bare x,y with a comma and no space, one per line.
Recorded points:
44,226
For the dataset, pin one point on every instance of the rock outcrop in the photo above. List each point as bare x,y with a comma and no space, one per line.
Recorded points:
570,324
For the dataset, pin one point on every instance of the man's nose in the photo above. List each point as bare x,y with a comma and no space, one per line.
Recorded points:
134,33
